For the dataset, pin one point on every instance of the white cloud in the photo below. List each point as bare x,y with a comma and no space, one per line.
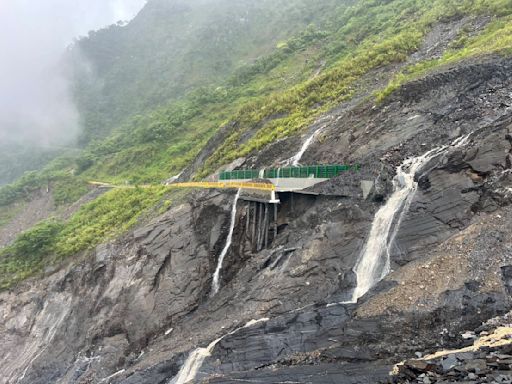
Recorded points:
34,94
125,9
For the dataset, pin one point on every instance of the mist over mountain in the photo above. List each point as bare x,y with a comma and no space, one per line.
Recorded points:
35,102
36,105
174,47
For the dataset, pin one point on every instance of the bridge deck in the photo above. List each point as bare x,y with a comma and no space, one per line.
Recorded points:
273,185
202,184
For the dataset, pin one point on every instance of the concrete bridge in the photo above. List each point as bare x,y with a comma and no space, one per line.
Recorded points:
265,193
261,185
289,179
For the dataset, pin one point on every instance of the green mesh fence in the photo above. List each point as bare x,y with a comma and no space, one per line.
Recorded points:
313,171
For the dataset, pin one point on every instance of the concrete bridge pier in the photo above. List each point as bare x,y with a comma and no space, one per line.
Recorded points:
260,224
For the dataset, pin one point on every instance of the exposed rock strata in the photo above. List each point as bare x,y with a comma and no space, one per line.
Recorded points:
132,311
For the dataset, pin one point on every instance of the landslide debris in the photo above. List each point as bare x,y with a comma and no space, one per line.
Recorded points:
487,360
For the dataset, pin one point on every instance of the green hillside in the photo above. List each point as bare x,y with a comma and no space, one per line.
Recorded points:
17,158
161,87
281,90
175,46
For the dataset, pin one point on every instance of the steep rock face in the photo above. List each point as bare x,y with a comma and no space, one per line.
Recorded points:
96,312
133,311
454,285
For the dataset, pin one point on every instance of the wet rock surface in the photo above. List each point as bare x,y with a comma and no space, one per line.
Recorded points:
132,311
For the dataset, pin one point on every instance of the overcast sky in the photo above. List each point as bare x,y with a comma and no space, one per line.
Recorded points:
34,97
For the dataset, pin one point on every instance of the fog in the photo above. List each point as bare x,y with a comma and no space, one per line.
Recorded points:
35,102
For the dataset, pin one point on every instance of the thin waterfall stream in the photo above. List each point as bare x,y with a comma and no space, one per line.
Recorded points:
194,362
295,160
375,260
216,275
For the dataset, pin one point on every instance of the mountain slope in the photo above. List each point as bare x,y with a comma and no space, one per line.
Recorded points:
173,46
122,288
136,307
262,104
282,93
257,107
17,159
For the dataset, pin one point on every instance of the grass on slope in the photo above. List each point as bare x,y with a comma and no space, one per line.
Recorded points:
496,38
8,213
301,104
157,145
172,47
390,31
52,241
278,96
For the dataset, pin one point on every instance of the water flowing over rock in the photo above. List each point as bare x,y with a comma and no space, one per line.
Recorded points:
173,179
190,368
374,263
110,311
229,239
192,365
295,160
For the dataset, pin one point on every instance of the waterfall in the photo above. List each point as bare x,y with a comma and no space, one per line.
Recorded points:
261,174
374,262
174,178
298,156
194,362
113,375
216,275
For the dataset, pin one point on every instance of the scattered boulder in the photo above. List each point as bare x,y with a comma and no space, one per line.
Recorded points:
489,360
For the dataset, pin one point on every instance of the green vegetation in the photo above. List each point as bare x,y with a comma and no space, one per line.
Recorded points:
152,147
105,218
22,188
275,96
377,33
52,241
68,189
65,188
7,213
174,47
27,254
16,159
496,38
302,103
152,98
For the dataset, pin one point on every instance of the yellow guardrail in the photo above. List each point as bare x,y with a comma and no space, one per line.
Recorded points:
199,184
101,184
225,185
127,186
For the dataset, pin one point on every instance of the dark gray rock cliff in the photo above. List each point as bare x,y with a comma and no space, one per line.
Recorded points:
133,310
